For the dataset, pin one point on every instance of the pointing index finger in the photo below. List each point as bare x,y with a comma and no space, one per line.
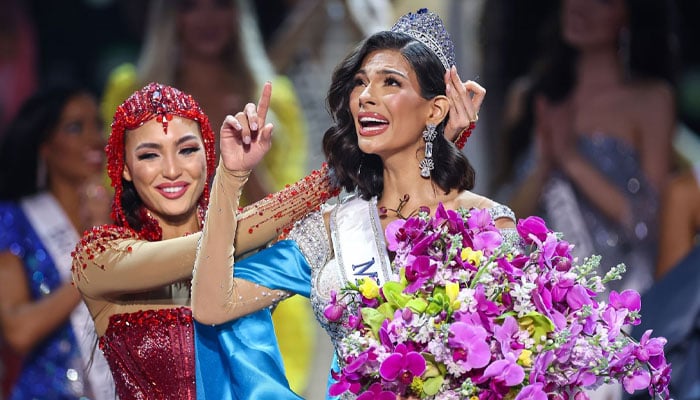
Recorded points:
264,103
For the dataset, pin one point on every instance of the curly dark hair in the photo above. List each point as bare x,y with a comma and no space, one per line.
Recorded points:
355,170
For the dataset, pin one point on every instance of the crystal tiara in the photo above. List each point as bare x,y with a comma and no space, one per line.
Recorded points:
427,27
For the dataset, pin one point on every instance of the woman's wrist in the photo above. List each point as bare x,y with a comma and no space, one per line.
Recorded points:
462,137
236,173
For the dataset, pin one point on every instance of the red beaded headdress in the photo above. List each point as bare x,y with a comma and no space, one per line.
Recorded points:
162,102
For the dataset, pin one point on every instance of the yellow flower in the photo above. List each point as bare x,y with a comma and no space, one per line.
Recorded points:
369,288
524,358
452,290
471,256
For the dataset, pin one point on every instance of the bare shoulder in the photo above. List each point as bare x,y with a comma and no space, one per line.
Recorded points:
651,96
502,214
467,199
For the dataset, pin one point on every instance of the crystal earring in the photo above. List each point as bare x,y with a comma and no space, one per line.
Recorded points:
426,165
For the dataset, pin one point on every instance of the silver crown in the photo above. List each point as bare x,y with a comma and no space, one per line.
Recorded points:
427,27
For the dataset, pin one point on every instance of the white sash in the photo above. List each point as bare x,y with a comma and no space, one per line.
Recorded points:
358,241
59,238
565,215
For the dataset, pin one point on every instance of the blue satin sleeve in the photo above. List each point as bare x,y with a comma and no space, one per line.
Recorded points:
240,359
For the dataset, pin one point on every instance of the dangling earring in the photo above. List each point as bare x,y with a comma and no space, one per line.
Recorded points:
426,165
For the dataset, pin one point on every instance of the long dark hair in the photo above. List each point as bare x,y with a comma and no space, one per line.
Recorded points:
355,170
651,56
33,125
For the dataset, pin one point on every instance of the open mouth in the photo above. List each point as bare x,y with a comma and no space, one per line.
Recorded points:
373,124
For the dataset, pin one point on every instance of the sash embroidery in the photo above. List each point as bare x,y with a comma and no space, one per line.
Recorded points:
358,241
59,238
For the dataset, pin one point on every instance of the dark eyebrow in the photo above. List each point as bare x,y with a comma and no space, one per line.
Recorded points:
151,145
387,71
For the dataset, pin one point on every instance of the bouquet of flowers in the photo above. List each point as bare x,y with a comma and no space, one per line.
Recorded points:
473,315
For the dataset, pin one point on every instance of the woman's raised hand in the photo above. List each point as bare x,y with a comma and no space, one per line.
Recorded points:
246,137
465,101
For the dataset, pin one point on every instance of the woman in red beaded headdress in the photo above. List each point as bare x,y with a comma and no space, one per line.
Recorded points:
134,275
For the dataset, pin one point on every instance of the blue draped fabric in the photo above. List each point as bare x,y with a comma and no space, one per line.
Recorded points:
240,359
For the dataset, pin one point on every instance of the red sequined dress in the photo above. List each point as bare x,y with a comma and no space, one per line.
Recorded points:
151,354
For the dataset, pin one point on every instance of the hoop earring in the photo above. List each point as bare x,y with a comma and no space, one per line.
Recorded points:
426,165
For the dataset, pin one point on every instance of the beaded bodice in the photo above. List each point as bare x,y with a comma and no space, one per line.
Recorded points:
151,354
326,275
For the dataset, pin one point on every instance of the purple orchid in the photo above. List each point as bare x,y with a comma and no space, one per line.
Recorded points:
402,365
344,382
638,379
534,391
418,272
532,227
506,370
651,350
470,348
375,392
334,311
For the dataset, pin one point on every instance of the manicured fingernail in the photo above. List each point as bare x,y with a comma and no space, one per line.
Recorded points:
254,126
246,139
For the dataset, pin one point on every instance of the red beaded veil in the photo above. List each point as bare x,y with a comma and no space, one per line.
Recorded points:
153,101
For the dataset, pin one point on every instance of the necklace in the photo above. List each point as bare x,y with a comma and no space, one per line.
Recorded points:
383,211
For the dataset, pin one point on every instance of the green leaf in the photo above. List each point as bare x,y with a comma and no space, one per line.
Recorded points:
393,293
417,305
387,310
431,386
434,308
537,325
373,319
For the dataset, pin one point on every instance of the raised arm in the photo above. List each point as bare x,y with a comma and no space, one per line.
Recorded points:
216,296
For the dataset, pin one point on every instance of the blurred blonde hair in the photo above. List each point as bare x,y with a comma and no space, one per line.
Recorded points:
159,55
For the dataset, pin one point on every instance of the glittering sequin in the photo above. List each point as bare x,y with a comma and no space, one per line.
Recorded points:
162,102
53,370
151,354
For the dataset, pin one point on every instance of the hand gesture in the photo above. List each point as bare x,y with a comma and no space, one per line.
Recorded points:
246,137
465,102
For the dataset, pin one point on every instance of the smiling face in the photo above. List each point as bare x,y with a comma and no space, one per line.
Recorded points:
386,104
167,170
75,150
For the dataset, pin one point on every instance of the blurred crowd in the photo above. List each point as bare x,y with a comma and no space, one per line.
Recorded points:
591,120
